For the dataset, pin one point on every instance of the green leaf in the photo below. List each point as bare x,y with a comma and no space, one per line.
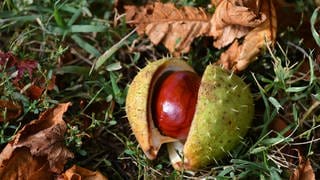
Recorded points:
74,17
313,20
107,54
258,150
274,141
85,45
296,89
275,103
87,28
59,20
114,66
73,70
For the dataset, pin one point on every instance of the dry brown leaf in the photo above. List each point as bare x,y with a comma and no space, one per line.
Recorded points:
238,56
233,20
9,110
175,28
304,171
79,173
38,148
22,165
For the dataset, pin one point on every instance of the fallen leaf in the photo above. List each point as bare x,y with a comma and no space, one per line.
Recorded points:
22,165
175,28
35,92
38,148
304,170
238,56
79,173
255,21
25,66
9,110
233,20
38,86
8,60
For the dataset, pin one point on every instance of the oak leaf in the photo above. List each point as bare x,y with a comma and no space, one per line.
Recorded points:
38,148
80,173
175,28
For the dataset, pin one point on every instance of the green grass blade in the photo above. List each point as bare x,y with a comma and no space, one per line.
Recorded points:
87,28
85,45
106,55
20,18
73,70
313,20
296,89
74,17
59,20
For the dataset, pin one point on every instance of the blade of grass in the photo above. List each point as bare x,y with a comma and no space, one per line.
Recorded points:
85,45
88,28
74,17
313,20
59,20
79,29
73,70
107,54
20,18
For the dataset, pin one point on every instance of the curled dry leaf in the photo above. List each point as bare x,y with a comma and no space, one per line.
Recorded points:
233,20
175,28
79,173
38,148
304,170
9,110
238,56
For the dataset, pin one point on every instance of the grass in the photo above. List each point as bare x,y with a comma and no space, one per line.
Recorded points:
93,55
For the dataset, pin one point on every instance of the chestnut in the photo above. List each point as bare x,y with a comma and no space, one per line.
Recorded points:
214,112
174,103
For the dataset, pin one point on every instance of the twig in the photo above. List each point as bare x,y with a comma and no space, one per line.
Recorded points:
309,111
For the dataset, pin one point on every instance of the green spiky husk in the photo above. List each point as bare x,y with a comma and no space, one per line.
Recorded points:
223,115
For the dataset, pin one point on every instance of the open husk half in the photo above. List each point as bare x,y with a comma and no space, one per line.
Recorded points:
138,104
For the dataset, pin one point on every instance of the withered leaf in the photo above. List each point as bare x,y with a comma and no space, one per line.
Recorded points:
22,165
175,28
41,143
238,56
9,110
304,171
8,60
79,173
233,20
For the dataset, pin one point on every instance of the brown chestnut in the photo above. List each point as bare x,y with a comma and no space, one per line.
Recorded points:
174,103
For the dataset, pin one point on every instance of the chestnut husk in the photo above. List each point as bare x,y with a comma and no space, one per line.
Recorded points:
224,112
